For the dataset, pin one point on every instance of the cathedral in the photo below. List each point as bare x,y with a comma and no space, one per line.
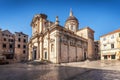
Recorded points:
60,44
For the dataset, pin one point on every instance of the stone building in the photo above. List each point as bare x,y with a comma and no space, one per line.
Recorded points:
88,34
53,42
110,45
21,49
97,49
9,44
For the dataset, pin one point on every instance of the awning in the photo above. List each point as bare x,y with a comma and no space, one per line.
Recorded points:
109,53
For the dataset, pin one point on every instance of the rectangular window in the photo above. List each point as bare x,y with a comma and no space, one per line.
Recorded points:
11,40
119,34
112,37
104,39
18,45
24,51
24,40
4,39
105,46
9,56
24,46
2,34
112,45
19,39
112,56
4,45
10,46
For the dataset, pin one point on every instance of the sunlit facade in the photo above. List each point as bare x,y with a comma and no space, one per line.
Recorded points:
110,45
58,44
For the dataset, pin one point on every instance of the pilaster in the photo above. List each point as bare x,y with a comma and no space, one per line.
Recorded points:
76,50
30,54
38,49
41,25
48,46
41,48
68,48
57,47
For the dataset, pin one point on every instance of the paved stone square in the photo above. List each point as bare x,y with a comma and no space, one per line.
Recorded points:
87,70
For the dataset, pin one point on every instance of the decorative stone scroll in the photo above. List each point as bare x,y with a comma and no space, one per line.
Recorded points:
64,40
52,40
72,43
79,44
85,45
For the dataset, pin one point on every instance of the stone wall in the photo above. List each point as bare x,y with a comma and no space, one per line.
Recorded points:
21,48
72,54
79,54
64,53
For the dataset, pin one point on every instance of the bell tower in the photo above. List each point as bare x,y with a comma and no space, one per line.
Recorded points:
38,23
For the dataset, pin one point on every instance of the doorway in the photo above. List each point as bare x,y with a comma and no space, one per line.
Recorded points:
45,56
34,53
85,56
105,56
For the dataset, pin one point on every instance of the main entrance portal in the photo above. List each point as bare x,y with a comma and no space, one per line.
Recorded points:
85,56
34,53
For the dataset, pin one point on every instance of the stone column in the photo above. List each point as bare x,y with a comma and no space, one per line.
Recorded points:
38,50
82,48
68,49
48,46
30,54
41,48
57,42
76,50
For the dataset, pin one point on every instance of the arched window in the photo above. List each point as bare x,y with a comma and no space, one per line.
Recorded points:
52,48
71,27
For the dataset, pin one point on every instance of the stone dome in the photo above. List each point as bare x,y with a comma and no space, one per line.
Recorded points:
72,18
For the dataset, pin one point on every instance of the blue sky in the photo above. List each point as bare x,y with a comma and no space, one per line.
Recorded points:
102,16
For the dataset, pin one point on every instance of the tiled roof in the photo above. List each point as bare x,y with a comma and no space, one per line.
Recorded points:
21,33
118,30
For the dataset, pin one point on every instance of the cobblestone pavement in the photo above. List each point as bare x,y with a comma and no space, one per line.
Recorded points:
26,72
98,75
100,70
87,70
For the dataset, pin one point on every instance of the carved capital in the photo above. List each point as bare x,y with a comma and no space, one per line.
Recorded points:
52,40
57,34
41,39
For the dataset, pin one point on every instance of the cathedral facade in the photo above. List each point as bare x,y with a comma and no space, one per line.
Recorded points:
57,44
